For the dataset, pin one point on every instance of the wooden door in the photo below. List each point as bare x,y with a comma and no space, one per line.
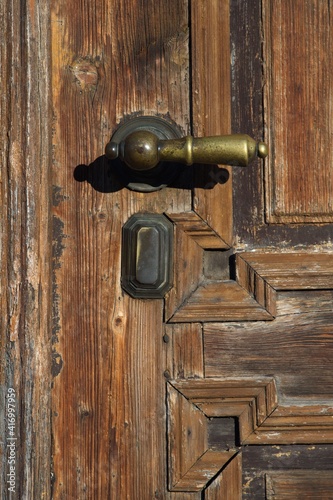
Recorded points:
223,389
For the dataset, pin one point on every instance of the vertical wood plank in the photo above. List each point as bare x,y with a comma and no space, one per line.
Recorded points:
5,112
184,347
136,393
247,116
228,484
299,182
250,68
111,59
211,100
25,244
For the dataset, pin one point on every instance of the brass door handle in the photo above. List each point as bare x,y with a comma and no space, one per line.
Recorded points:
143,150
143,143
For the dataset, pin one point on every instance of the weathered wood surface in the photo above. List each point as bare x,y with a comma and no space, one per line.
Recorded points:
188,271
250,400
303,182
109,62
192,463
261,461
253,296
187,440
288,271
262,418
25,245
212,109
296,424
220,301
295,348
184,350
307,484
195,227
109,359
263,274
299,183
228,483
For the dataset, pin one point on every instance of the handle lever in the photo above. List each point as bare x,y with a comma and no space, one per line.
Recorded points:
143,150
144,144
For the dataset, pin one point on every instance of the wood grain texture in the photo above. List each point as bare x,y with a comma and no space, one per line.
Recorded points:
211,107
248,67
228,484
295,348
299,484
188,271
259,461
206,467
251,400
220,301
297,35
184,350
265,458
187,439
198,229
289,271
258,286
184,495
25,244
111,60
296,424
195,298
304,301
247,117
5,112
253,296
261,418
192,464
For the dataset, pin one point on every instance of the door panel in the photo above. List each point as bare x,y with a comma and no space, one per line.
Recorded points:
117,59
299,180
281,81
299,467
25,250
223,389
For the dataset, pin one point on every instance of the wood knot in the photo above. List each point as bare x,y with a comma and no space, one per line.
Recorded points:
84,411
85,71
118,322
